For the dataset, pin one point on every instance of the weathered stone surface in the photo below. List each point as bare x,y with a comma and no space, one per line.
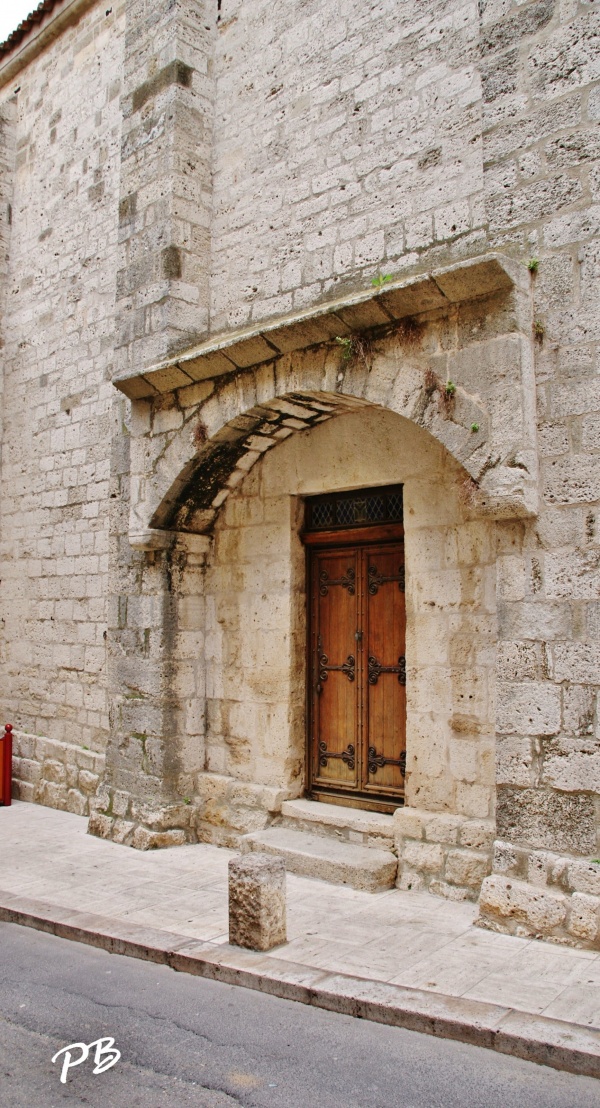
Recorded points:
557,821
584,917
537,910
257,904
530,708
313,855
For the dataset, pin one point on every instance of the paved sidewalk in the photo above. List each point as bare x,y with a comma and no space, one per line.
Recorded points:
397,957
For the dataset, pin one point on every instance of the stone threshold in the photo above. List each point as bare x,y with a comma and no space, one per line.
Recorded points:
439,290
534,1038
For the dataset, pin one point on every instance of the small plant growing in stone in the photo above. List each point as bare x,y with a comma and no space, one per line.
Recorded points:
186,800
447,397
539,331
409,332
474,428
346,345
533,265
432,381
381,280
356,348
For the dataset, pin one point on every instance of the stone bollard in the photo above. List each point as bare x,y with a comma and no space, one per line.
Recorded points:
257,901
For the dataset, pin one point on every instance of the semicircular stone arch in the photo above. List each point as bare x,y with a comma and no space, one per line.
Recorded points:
212,434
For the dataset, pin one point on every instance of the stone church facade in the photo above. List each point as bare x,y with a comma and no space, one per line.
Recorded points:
300,314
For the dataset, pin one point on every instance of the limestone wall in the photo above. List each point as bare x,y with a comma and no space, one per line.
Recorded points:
59,407
542,181
347,142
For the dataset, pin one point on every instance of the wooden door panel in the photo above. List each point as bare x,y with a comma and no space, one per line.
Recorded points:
358,695
334,665
386,668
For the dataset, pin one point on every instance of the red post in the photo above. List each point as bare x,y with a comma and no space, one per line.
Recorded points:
6,765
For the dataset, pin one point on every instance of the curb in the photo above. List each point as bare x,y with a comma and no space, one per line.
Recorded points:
548,1042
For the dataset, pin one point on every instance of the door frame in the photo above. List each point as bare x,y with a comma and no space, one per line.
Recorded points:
382,535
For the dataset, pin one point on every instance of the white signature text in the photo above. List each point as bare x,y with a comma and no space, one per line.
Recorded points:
105,1056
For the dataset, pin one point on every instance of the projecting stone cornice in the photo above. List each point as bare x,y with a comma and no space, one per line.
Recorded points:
437,291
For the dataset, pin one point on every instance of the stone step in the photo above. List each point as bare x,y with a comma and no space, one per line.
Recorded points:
353,825
311,855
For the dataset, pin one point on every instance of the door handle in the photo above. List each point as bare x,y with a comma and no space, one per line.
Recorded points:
358,636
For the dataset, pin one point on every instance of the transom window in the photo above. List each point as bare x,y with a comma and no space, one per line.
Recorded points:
336,511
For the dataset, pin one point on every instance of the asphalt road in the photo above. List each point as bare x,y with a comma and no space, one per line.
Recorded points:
185,1041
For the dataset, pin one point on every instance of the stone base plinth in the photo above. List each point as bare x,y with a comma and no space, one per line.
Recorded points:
257,912
449,855
219,810
54,773
544,895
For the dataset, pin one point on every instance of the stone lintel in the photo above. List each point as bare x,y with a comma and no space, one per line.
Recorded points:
473,279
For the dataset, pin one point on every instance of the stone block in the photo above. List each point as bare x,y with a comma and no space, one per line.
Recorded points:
442,827
452,892
88,781
584,917
477,834
54,771
23,745
514,760
529,708
23,790
100,825
465,867
76,803
27,770
409,823
143,839
538,910
508,860
51,794
584,877
257,905
576,771
122,831
427,857
72,775
547,820
410,881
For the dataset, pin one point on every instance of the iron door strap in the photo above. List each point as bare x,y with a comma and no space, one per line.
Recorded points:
376,579
377,761
347,581
324,668
347,667
376,669
346,755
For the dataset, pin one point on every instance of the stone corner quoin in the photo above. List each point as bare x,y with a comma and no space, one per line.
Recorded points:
245,261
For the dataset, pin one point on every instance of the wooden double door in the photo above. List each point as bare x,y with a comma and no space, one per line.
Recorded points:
357,673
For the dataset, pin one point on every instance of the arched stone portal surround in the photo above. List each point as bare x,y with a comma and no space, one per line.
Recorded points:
206,649
256,623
